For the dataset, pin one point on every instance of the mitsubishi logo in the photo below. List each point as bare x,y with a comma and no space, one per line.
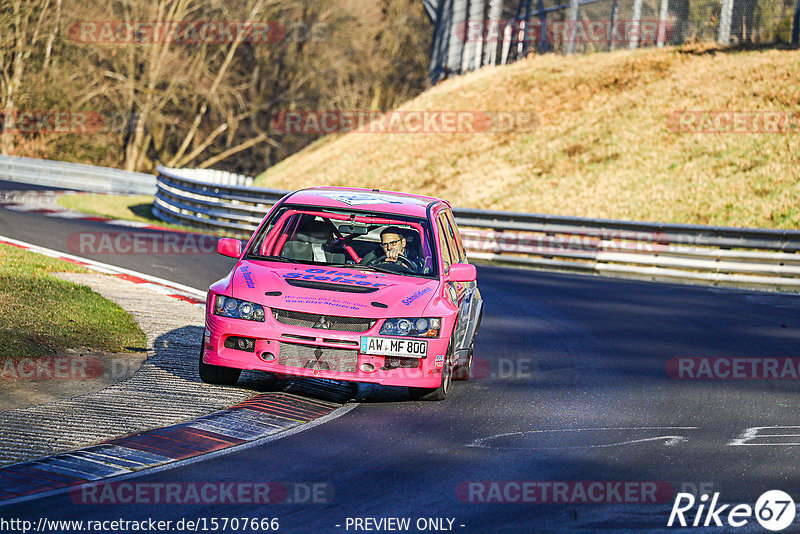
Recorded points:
317,363
323,323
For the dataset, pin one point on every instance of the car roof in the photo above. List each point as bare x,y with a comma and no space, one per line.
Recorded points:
364,199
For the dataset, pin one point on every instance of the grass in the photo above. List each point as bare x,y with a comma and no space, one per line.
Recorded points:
602,146
43,314
128,207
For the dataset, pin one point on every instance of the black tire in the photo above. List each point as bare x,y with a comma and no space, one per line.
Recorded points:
440,393
216,374
463,370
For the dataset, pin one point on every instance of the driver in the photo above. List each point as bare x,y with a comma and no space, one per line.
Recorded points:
394,246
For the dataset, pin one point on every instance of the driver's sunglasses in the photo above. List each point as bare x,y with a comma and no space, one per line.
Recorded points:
386,246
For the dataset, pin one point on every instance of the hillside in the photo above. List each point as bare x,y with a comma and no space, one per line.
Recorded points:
605,145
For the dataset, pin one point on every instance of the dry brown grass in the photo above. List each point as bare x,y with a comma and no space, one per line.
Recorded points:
602,147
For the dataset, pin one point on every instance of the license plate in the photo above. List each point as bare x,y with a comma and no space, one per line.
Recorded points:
384,346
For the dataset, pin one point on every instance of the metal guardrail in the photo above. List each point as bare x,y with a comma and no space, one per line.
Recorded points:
215,200
211,175
75,176
215,206
758,258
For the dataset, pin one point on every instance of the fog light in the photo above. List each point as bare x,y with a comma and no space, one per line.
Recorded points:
267,356
247,344
393,362
366,367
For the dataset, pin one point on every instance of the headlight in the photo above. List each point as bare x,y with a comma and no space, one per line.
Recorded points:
412,327
238,309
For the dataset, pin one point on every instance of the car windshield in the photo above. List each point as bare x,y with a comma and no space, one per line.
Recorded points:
343,238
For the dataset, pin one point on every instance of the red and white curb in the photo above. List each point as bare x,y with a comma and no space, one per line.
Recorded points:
160,285
264,418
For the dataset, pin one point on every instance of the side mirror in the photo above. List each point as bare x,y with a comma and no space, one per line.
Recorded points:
229,247
462,272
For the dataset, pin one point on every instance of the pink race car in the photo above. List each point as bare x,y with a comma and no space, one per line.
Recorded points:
347,284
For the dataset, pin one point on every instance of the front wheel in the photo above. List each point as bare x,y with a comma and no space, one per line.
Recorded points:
217,374
440,393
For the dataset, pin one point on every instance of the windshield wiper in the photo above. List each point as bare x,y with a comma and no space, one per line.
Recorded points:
352,265
271,258
377,269
361,267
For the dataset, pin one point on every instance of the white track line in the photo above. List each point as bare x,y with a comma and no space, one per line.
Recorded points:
105,267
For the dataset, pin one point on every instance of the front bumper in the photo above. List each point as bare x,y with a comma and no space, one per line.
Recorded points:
317,353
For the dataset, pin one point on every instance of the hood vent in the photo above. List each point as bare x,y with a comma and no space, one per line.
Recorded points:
346,288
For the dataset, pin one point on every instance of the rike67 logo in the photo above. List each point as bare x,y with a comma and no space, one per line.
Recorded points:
774,510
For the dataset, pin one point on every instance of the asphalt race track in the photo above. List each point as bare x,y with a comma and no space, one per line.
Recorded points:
573,383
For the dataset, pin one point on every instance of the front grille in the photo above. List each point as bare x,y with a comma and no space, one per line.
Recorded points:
314,320
314,357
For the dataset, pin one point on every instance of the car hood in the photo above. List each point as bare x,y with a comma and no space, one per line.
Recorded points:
331,291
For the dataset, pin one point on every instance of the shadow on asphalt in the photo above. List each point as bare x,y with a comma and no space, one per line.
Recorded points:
177,352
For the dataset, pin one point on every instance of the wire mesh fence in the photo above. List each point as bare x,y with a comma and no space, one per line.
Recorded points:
471,33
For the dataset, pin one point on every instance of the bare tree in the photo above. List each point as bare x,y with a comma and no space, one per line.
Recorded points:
21,25
205,103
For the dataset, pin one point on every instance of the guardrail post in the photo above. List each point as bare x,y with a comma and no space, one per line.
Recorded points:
507,33
544,44
725,18
492,31
523,45
477,10
662,23
636,25
573,26
612,29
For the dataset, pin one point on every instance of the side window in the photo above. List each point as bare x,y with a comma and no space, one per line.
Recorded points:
448,234
447,257
462,256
